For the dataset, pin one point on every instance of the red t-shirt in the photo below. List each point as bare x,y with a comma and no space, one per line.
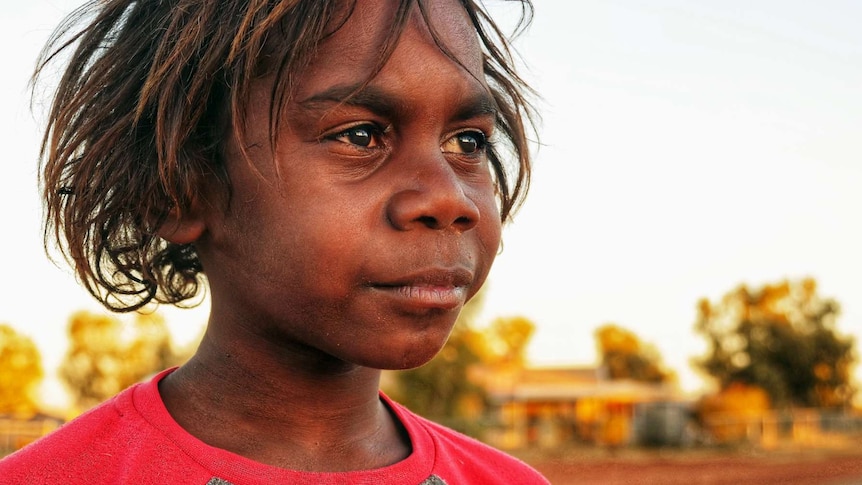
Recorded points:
132,439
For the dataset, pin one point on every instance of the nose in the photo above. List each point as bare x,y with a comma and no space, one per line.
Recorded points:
434,197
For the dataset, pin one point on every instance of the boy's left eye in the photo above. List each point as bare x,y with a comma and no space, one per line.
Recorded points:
466,143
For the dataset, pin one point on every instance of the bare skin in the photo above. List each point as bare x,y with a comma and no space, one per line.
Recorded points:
350,249
313,420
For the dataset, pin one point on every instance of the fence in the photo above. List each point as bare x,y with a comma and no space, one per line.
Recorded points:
15,433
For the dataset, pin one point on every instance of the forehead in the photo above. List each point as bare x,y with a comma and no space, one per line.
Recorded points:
363,28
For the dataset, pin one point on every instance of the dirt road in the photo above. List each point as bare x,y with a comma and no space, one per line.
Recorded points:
648,468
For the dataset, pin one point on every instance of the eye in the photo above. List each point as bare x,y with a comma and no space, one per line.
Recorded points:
365,136
465,143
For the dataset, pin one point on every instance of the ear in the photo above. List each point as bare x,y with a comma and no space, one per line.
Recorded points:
183,227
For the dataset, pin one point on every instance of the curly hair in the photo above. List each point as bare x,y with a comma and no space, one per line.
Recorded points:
149,91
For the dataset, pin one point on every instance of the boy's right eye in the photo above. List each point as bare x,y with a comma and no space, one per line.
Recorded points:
365,135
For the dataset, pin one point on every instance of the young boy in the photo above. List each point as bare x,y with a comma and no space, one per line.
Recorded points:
332,168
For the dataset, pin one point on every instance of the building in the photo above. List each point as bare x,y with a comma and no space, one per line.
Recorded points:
548,407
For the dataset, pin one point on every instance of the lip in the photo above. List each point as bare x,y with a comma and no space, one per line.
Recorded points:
444,289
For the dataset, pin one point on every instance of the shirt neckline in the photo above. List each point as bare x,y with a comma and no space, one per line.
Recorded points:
229,466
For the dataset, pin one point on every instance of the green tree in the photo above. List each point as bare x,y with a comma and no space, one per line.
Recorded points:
782,338
20,372
105,355
624,356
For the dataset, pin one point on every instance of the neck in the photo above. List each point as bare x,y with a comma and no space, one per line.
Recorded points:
289,407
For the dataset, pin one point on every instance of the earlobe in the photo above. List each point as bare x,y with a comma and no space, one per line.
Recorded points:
182,227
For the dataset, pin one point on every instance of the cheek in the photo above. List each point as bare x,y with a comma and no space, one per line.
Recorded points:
492,226
489,232
324,244
491,241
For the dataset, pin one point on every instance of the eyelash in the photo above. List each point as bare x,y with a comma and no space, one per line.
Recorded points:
373,131
478,137
372,134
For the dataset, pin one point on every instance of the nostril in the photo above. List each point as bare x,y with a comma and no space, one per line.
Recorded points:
464,221
428,221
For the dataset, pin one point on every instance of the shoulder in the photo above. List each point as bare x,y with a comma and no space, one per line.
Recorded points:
111,440
462,459
77,443
477,458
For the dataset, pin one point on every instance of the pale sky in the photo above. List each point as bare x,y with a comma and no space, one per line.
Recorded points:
688,146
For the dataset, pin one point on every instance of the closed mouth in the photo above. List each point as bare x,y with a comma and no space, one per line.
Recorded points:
441,289
457,277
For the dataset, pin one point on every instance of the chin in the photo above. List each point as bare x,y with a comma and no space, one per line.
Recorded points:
399,344
414,361
409,356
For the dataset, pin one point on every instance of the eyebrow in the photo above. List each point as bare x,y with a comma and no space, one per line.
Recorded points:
476,104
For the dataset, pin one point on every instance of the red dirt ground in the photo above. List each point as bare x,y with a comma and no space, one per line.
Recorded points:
701,468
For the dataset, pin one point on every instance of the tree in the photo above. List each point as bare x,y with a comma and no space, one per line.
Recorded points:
782,338
624,356
728,415
105,356
20,372
504,342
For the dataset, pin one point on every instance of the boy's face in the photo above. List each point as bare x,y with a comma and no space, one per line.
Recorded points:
376,219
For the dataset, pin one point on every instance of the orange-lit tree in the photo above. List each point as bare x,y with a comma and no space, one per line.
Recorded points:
781,338
20,373
624,356
734,413
105,356
504,342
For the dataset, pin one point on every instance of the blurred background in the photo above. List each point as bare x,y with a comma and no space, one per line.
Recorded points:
684,276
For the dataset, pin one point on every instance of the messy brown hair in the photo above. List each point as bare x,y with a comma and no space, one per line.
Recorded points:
150,89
